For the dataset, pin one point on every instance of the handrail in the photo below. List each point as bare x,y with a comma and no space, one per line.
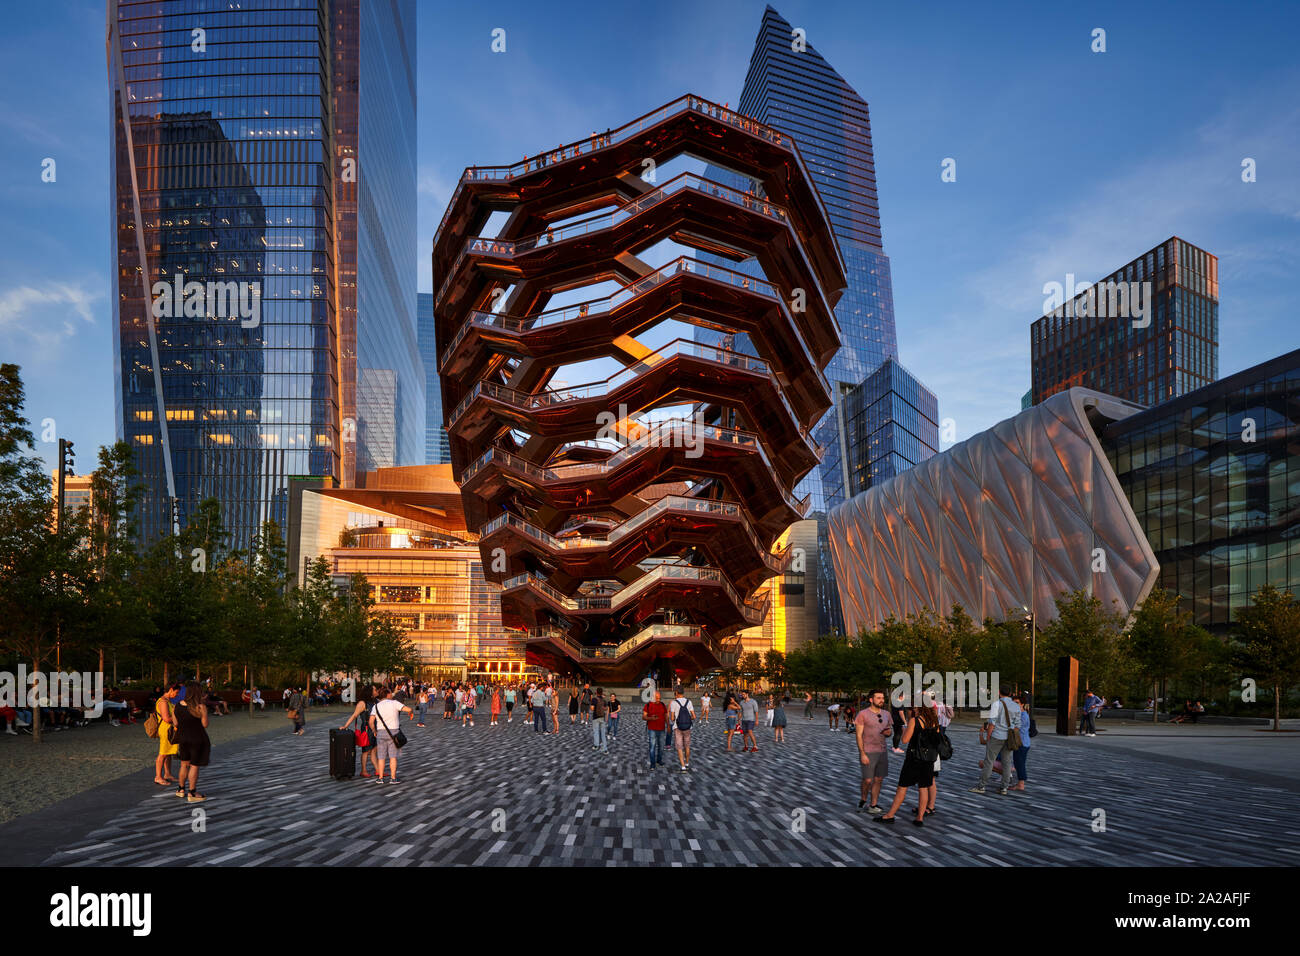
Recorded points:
751,612
548,397
488,246
684,103
617,299
668,503
653,438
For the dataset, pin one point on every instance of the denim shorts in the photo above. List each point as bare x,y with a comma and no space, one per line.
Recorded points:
731,722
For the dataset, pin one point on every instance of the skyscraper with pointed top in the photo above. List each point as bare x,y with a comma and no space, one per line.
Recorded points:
791,87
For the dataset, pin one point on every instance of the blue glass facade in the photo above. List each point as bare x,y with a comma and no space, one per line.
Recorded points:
436,448
799,93
1214,479
224,173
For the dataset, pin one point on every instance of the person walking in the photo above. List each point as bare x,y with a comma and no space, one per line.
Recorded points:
449,703
510,705
705,701
748,718
1021,756
872,727
1000,726
496,706
385,723
585,703
731,712
682,717
423,700
779,721
471,701
553,699
167,748
573,705
921,735
655,716
599,710
298,711
193,745
613,716
537,702
807,705
900,722
771,708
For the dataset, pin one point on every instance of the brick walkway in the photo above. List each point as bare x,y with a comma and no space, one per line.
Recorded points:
506,796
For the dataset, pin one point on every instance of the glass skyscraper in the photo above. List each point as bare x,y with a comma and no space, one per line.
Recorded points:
232,132
800,94
436,448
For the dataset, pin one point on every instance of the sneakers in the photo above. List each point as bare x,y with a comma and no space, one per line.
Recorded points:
11,732
862,805
874,810
1002,791
683,768
977,789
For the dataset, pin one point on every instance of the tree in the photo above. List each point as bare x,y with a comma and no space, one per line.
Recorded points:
1086,630
1268,648
1157,639
44,570
750,666
775,668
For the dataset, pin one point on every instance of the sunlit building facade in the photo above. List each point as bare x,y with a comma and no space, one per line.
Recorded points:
1148,332
238,134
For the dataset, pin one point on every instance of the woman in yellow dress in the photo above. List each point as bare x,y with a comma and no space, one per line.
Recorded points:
162,768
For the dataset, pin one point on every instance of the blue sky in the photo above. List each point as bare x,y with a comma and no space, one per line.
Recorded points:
1068,161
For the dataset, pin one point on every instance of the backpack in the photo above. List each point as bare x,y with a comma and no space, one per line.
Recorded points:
927,752
597,708
945,746
684,718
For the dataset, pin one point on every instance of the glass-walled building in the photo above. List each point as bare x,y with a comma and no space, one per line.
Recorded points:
238,253
1147,332
801,94
1214,479
436,448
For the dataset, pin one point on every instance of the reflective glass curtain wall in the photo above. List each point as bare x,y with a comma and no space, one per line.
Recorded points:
800,94
1176,353
1214,479
436,450
220,163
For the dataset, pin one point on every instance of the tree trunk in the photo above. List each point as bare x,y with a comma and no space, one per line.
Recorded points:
36,704
1277,707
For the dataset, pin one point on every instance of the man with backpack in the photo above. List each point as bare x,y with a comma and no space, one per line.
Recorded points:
682,715
1001,734
599,739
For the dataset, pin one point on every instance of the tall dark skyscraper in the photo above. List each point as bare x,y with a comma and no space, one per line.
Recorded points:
263,168
1148,332
797,92
436,448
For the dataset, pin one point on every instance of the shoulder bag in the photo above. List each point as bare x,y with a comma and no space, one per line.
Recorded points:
1013,732
399,738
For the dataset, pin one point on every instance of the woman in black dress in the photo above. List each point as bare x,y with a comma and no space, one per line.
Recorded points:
921,740
573,705
190,721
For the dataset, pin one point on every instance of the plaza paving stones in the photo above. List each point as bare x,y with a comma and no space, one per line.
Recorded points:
504,795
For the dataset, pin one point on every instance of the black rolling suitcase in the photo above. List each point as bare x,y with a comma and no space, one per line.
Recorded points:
343,754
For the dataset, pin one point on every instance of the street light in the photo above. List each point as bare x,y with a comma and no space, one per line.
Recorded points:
1032,618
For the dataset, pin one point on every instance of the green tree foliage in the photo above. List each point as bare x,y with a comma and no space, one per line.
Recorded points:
1268,645
1158,640
1085,629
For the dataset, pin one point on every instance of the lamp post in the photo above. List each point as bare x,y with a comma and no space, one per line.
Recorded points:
1032,618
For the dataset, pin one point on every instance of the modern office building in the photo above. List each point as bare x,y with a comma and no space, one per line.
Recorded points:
1147,332
436,449
1214,479
77,492
1199,495
263,169
631,521
404,529
799,93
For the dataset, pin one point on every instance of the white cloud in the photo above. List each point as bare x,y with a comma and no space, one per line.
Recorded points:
44,313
